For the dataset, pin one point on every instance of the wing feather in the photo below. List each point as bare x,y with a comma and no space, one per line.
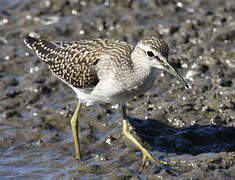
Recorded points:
76,66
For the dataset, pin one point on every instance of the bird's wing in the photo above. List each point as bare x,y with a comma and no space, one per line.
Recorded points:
72,62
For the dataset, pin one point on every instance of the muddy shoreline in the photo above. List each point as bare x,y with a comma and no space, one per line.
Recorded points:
193,130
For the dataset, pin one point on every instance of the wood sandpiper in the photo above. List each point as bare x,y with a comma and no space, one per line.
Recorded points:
106,71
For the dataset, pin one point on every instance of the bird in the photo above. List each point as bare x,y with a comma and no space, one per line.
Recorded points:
106,71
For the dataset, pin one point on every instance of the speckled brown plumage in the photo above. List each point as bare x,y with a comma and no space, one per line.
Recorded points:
157,44
75,62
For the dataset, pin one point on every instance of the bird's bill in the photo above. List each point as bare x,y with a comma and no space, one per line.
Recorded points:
167,67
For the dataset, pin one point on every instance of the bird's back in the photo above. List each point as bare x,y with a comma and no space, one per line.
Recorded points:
75,62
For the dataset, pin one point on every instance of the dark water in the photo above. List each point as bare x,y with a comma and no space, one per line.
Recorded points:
193,130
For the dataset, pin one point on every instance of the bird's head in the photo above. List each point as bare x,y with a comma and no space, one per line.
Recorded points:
153,52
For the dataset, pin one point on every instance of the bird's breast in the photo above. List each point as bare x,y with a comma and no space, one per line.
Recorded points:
127,88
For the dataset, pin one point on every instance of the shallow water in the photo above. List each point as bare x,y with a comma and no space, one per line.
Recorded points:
193,130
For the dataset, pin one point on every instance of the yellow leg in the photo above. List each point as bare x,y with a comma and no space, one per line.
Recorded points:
128,135
75,130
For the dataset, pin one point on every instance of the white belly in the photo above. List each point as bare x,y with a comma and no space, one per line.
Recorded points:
111,91
116,91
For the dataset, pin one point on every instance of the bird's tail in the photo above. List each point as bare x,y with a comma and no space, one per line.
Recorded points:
44,49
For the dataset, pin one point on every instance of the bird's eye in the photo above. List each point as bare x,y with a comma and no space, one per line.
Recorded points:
150,53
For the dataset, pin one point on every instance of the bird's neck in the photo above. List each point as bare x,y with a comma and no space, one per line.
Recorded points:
144,75
140,76
141,66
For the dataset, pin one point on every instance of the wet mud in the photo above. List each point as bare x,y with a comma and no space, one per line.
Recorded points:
193,130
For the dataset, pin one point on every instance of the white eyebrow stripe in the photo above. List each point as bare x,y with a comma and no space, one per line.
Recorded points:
146,48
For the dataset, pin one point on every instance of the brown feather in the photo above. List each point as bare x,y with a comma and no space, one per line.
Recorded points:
75,62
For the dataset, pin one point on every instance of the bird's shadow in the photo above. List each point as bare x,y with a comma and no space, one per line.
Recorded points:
192,140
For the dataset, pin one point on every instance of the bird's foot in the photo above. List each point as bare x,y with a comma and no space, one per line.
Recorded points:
146,156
